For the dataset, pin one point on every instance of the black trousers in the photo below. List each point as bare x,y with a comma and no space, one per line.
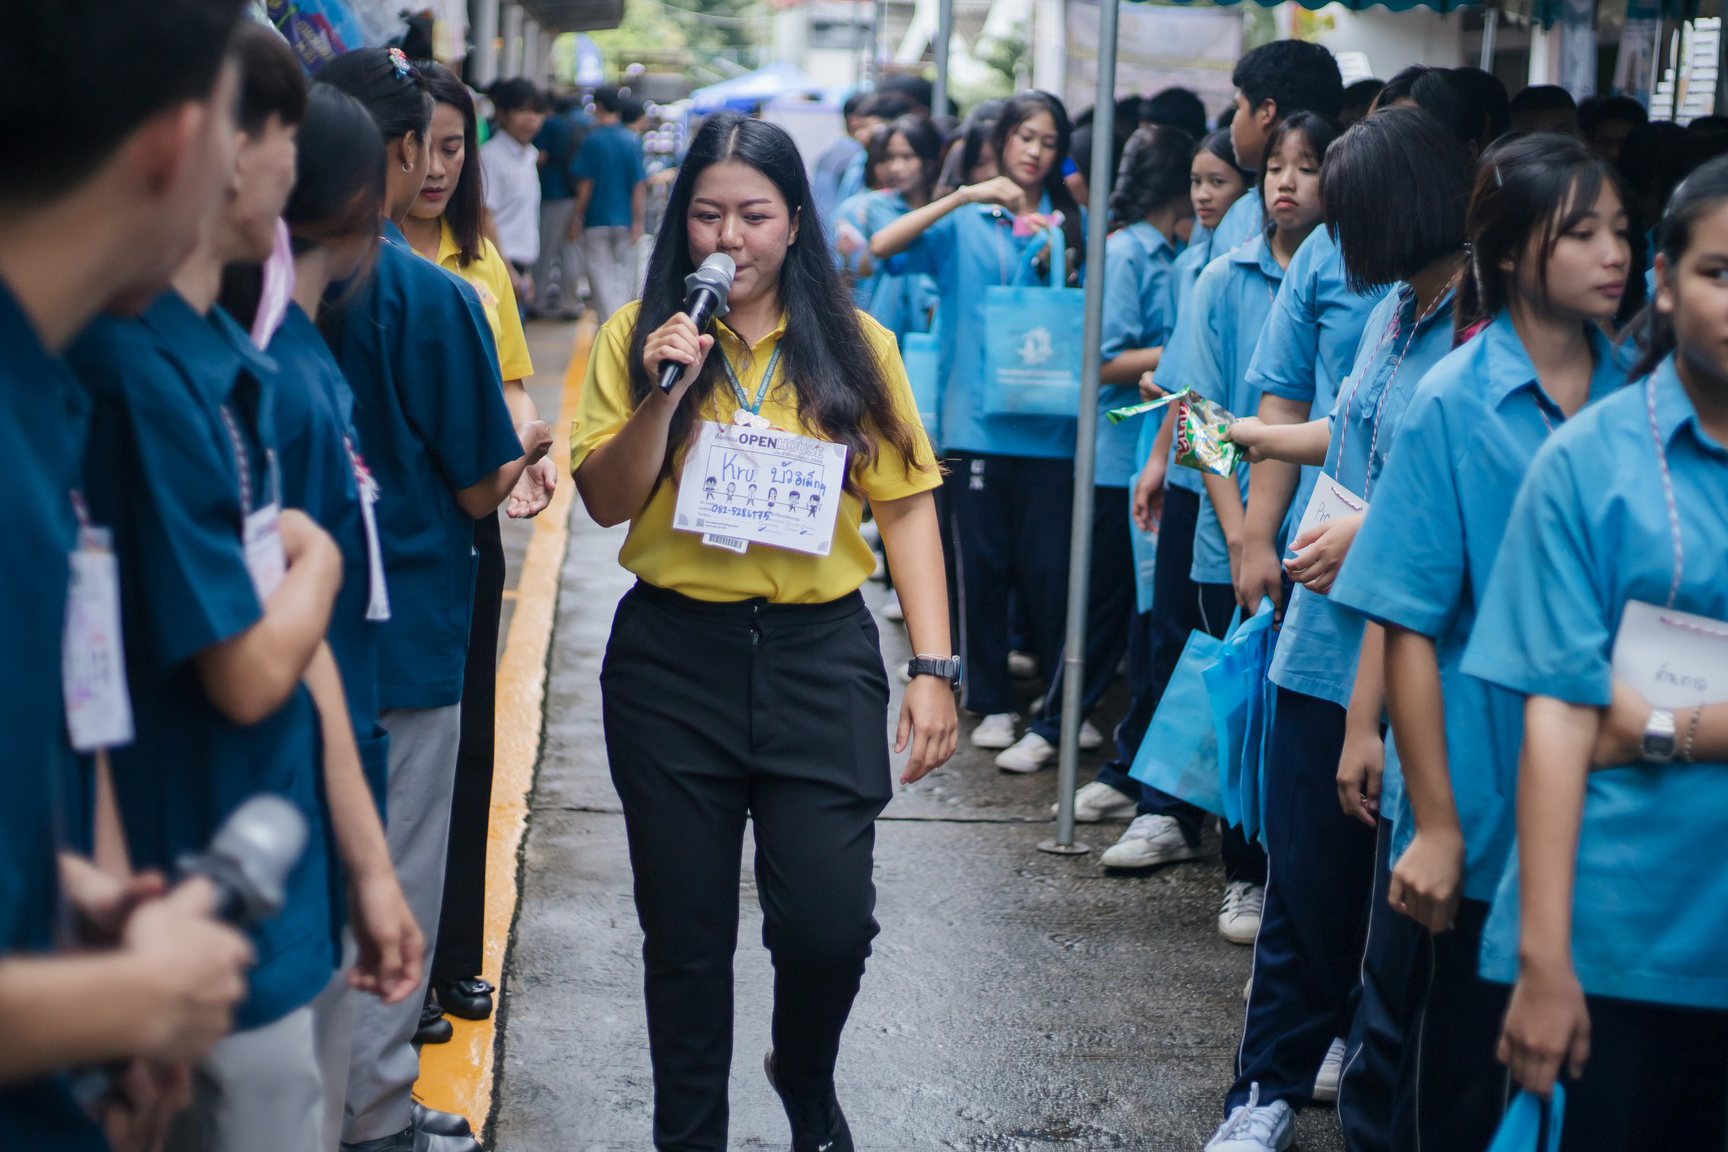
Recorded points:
1657,1079
718,713
462,926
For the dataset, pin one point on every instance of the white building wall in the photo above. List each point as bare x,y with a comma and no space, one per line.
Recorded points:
1395,40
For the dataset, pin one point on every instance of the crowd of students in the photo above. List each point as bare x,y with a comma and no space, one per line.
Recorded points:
263,404
1455,274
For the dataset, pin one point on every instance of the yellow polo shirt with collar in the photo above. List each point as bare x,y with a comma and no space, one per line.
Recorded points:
491,280
680,561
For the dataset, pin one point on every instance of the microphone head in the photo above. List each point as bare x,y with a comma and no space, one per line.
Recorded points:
715,274
255,850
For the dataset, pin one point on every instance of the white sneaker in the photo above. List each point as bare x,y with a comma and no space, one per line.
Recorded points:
891,610
904,671
1255,1128
1239,919
1090,738
994,731
1022,665
1149,841
1331,1073
1028,754
1098,801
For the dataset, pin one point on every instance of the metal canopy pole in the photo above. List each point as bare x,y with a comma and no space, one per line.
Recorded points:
1086,439
944,34
1490,25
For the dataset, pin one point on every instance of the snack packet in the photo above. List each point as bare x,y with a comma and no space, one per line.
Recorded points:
1201,437
1117,415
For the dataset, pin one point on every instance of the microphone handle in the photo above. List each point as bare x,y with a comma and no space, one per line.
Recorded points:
701,306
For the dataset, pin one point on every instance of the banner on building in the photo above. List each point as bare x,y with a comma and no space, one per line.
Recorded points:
1157,47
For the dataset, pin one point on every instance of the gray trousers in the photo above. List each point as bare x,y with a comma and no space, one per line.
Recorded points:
557,250
257,1089
333,1041
612,273
422,777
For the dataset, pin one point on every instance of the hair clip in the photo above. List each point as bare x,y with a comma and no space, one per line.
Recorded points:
1499,180
1469,250
399,61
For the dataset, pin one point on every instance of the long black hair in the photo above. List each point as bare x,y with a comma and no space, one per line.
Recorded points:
1154,172
920,136
1016,112
967,146
842,391
338,194
467,201
1401,156
1703,192
1539,185
390,88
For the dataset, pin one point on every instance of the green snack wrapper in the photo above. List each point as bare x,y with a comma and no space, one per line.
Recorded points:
1201,440
1117,415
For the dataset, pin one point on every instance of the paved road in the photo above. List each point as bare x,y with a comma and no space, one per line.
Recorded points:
1016,1002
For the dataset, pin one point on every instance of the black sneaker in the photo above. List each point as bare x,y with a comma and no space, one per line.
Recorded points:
817,1125
468,999
434,1029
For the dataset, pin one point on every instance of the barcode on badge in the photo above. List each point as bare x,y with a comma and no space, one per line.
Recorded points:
730,543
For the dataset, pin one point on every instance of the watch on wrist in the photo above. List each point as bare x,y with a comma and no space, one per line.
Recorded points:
947,667
1659,743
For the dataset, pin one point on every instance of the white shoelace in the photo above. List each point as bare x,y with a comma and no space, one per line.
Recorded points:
1242,898
1145,827
1251,1120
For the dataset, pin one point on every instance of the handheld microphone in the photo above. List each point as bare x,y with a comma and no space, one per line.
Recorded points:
250,858
705,292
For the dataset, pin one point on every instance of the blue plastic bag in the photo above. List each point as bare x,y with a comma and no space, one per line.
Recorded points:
1144,544
1521,1127
1235,681
920,353
1179,754
1032,340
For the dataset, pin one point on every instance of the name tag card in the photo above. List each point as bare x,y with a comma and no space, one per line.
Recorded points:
744,485
92,660
1329,501
266,563
1673,659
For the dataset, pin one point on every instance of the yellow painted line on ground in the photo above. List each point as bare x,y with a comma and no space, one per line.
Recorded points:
459,1076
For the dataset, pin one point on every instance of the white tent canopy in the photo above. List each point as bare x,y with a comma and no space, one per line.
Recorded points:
778,78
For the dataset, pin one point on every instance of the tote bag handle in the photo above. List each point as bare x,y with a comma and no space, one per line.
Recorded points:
1521,1127
1057,243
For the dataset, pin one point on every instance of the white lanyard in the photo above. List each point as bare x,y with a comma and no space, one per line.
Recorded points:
1667,492
243,461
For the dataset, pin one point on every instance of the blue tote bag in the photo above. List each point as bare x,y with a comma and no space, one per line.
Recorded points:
1032,340
1521,1128
919,352
1179,754
1235,681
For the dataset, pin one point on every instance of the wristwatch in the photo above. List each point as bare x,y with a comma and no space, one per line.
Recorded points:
1659,743
947,667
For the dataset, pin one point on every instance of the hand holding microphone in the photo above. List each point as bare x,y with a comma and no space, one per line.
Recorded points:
675,352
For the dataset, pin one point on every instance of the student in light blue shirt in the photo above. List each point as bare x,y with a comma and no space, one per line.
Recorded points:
1419,567
1011,478
1309,950
906,156
1149,202
1607,920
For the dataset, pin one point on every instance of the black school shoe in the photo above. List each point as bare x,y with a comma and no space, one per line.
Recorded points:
434,1029
817,1125
468,999
438,1123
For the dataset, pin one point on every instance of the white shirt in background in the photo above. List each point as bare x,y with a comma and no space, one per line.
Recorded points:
513,195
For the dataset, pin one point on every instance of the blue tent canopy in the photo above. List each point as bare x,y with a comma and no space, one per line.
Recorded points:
752,88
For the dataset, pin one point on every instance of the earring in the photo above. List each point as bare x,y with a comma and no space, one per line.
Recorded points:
406,167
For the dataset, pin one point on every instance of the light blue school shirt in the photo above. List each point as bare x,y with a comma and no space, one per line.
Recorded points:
1245,220
43,414
1590,532
1137,314
899,301
164,471
1422,559
1309,343
1216,337
429,408
966,252
1321,641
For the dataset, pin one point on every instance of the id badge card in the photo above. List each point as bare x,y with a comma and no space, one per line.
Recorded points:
266,562
1673,659
1329,501
745,484
92,658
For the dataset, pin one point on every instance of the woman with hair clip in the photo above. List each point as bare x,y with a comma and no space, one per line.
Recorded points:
1150,202
415,347
1548,266
903,156
332,216
743,680
1608,920
1308,955
1011,483
444,227
1166,499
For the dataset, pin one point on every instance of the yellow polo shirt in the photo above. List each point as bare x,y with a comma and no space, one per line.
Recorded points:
679,560
491,279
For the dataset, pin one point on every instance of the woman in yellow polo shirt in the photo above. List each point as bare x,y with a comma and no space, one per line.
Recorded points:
444,225
743,677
